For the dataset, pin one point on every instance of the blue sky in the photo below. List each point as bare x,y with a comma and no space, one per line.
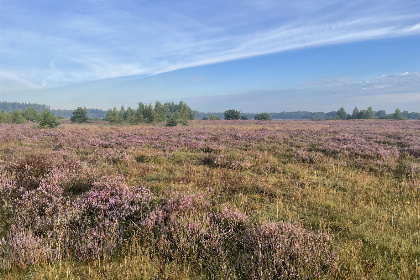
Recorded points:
255,56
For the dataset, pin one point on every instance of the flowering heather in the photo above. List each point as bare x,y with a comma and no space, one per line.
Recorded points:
285,251
214,200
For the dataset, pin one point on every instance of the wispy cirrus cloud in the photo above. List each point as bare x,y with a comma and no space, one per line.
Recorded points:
88,41
15,83
386,92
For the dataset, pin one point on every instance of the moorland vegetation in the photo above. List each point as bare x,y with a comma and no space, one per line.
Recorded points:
214,200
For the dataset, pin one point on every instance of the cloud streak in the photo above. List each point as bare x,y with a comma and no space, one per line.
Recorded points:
386,92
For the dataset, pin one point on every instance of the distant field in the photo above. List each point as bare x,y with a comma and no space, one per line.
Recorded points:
214,200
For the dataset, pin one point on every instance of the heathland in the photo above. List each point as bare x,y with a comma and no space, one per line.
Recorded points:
212,200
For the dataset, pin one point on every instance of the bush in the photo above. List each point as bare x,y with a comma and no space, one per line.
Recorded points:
172,122
31,114
79,115
232,114
213,117
184,122
48,120
262,117
17,117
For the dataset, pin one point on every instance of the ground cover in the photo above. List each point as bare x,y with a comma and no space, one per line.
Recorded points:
214,200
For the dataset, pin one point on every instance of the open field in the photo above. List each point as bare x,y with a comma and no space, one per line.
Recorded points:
214,200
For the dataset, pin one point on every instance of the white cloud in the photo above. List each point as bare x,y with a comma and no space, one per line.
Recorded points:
15,83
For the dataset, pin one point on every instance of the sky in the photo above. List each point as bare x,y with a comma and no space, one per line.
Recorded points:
251,55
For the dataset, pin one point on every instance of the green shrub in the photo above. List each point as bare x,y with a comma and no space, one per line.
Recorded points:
232,114
79,115
48,120
213,117
184,122
172,122
262,117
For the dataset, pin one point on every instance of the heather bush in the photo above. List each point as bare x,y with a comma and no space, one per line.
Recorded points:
44,224
30,168
308,157
20,248
105,213
285,251
226,242
183,228
35,219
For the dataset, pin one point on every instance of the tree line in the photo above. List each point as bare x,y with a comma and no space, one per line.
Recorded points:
168,112
11,106
306,115
172,113
44,119
370,114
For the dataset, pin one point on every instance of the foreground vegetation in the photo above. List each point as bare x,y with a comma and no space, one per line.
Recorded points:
215,200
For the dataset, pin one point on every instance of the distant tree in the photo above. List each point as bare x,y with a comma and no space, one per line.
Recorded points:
17,117
213,117
48,120
113,117
244,117
341,114
130,116
122,113
355,114
31,115
232,114
79,115
205,118
370,114
162,112
4,117
139,112
380,113
331,115
262,117
413,115
149,114
10,106
397,115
